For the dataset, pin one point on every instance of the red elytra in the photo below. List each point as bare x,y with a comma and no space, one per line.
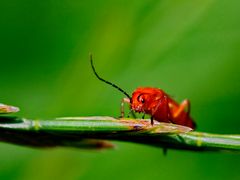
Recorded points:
155,102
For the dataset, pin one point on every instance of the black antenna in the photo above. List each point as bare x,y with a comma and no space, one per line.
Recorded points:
101,79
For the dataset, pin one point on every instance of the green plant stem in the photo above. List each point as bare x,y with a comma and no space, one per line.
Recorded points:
91,132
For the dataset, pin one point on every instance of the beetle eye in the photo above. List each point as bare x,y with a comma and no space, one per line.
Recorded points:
140,98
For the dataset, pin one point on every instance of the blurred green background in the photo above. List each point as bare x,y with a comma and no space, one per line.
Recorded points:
191,49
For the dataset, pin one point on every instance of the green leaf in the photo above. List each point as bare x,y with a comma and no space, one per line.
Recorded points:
89,132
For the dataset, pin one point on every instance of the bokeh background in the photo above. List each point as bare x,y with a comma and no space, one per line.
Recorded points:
191,49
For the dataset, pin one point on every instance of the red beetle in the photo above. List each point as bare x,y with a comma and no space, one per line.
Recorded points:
155,102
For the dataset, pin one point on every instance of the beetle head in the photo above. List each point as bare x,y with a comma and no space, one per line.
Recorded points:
145,98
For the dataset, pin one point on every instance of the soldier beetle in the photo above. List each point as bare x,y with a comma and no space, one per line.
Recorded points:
155,102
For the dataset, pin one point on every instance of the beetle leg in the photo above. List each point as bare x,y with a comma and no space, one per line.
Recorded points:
124,100
131,112
185,104
152,122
